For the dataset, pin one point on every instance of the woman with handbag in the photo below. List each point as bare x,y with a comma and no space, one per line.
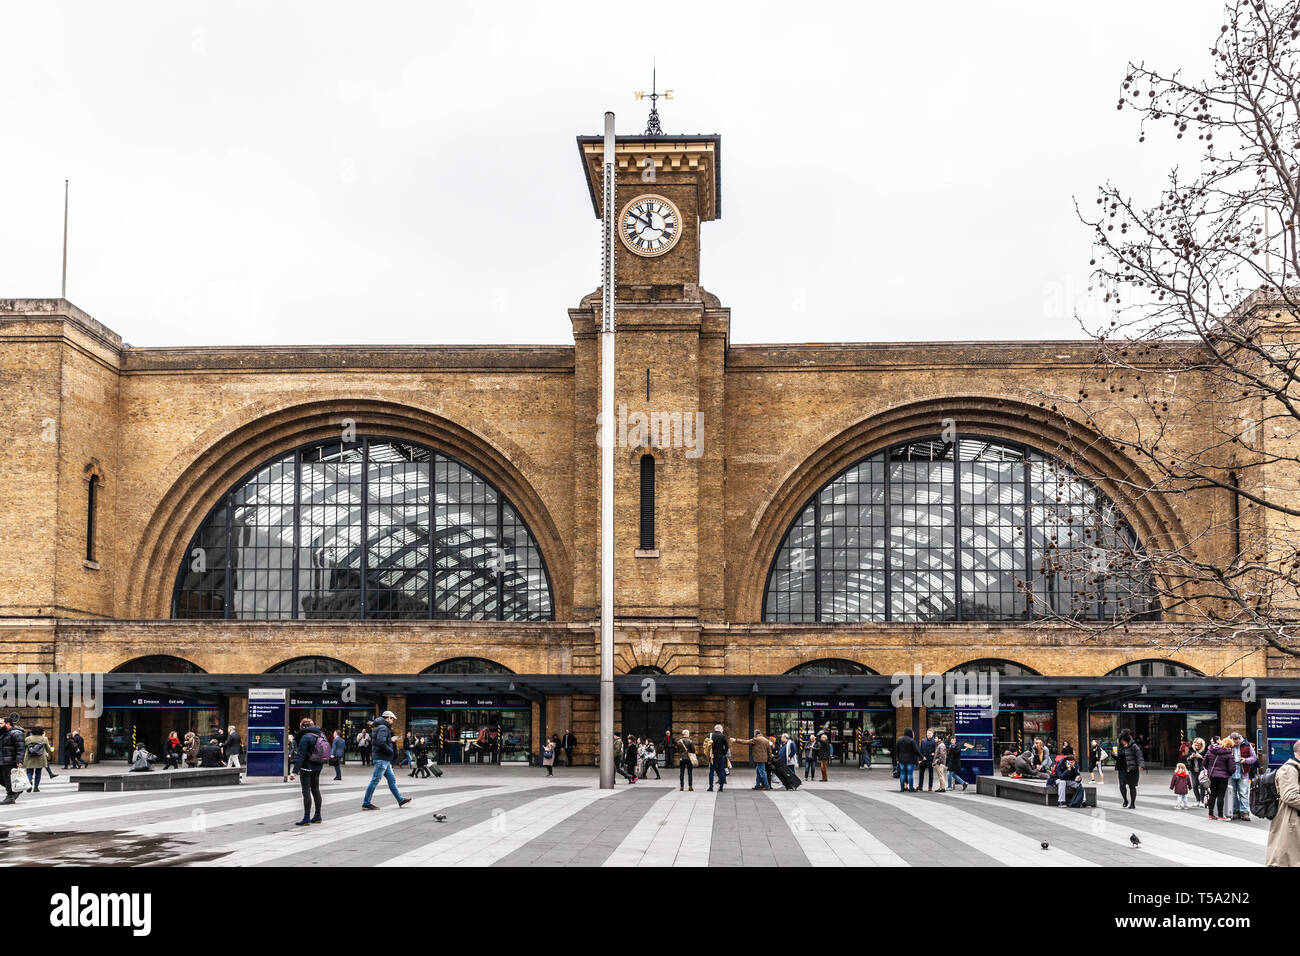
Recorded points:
36,757
687,760
548,758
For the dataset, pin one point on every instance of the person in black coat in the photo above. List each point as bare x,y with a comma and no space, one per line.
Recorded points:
954,764
210,754
909,755
569,743
1128,764
926,764
308,769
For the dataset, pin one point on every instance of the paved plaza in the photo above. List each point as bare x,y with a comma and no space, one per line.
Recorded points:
518,816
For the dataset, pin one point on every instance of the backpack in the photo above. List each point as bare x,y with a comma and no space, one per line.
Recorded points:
36,749
1264,798
320,751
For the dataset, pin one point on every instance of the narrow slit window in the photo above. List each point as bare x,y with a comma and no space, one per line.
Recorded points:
647,502
92,494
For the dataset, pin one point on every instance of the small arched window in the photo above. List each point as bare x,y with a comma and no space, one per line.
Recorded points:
92,502
312,665
829,667
1154,668
647,502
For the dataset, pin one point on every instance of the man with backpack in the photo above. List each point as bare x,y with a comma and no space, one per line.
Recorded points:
11,754
1283,847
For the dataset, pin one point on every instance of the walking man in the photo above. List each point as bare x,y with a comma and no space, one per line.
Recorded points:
234,747
718,760
384,750
338,748
569,744
11,754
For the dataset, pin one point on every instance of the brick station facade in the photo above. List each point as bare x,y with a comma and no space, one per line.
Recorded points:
166,432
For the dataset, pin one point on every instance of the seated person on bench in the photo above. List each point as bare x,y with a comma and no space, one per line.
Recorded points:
1066,778
1025,767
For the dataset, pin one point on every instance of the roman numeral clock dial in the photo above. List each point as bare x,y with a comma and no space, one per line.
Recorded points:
650,225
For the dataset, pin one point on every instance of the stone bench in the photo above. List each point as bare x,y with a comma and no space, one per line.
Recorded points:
159,779
1028,791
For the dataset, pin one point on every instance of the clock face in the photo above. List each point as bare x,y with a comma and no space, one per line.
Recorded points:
650,225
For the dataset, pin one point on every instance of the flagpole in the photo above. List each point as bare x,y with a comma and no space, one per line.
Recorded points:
607,468
64,293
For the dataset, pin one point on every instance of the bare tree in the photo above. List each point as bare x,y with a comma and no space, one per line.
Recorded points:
1197,361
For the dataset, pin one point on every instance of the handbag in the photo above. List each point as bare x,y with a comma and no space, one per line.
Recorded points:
690,755
18,780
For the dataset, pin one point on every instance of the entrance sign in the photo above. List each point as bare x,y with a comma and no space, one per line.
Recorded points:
1282,723
268,716
972,722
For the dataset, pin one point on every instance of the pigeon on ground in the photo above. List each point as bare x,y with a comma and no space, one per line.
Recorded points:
1133,838
1043,844
440,817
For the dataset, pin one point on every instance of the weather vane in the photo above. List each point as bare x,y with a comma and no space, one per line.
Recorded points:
652,127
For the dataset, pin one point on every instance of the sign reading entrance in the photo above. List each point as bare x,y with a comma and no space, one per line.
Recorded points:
267,719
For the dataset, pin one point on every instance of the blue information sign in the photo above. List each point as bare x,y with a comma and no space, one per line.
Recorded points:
267,716
1282,724
972,722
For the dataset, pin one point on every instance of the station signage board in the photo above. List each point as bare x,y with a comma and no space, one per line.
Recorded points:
268,732
1282,727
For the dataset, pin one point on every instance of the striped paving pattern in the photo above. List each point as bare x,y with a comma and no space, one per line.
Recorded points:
516,817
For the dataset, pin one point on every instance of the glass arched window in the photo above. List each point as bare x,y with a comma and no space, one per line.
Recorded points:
467,665
1154,668
312,665
829,667
375,529
159,664
970,529
995,665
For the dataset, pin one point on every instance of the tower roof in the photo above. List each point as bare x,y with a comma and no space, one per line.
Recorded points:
700,151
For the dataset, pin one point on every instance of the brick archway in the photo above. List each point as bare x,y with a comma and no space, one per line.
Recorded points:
800,478
215,461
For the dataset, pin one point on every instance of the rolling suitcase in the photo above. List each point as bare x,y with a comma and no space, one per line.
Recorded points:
782,772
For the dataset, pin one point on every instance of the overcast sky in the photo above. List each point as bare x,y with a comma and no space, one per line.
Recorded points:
272,173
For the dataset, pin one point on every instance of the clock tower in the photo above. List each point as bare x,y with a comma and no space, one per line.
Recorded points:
666,187
670,357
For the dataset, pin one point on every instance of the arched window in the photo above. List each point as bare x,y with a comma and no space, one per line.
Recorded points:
467,665
647,502
995,665
375,529
1154,668
158,664
829,667
312,665
969,529
648,670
